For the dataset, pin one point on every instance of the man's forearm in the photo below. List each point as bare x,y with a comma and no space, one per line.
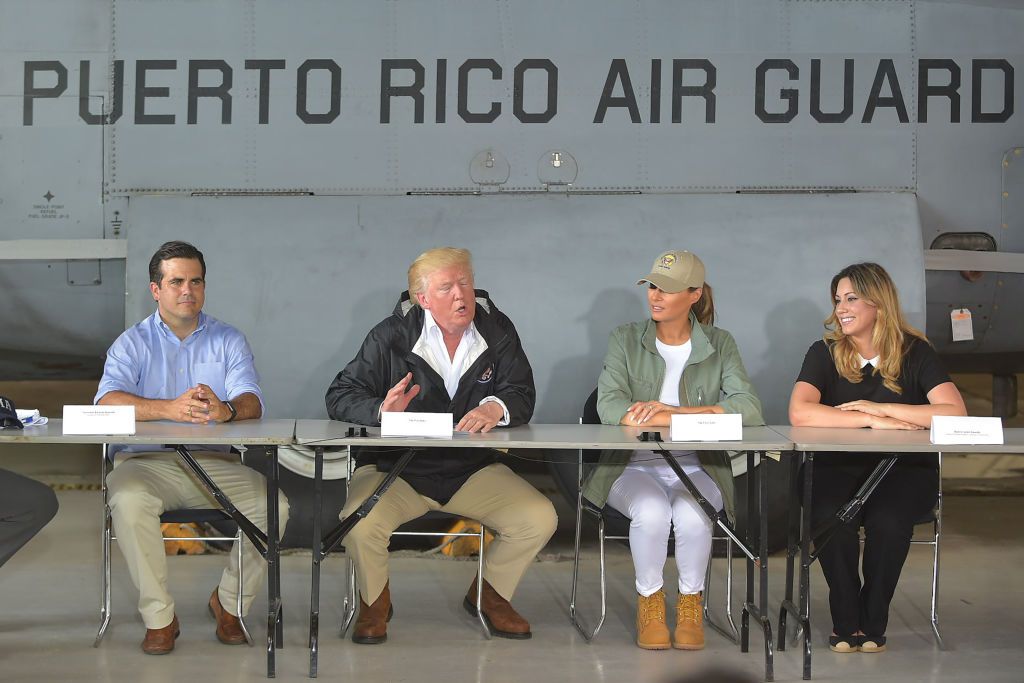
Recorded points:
145,408
247,407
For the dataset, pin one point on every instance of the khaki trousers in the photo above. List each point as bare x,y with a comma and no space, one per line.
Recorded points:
143,486
523,520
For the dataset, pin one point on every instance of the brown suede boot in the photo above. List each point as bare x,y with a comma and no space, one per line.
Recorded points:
651,630
501,619
160,641
229,627
372,623
689,633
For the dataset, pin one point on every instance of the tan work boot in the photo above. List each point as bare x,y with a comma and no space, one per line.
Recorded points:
651,630
689,633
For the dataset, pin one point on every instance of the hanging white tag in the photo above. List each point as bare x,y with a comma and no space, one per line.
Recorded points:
963,328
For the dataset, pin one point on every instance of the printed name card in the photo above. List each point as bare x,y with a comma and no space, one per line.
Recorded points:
707,427
432,425
99,420
966,430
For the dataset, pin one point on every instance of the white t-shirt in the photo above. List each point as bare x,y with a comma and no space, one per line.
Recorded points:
675,362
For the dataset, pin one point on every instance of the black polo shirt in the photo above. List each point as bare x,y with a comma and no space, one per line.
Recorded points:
920,372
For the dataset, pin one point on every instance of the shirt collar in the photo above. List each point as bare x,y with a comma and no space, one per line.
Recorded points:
873,361
430,327
167,332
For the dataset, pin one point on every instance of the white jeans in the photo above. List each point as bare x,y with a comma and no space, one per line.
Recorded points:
656,502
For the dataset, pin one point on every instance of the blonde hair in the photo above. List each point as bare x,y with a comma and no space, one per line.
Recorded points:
433,260
704,309
891,334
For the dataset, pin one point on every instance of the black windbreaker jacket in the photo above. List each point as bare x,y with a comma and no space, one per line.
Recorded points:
386,357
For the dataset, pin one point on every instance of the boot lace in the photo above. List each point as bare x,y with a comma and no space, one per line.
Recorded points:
689,608
652,608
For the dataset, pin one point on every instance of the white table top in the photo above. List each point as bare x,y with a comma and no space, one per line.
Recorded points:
248,432
333,433
883,440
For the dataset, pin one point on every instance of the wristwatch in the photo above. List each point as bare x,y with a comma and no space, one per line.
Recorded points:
232,409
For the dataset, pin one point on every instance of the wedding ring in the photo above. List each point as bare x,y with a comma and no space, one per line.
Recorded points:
190,411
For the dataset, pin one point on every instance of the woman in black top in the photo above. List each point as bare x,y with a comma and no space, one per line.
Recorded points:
872,369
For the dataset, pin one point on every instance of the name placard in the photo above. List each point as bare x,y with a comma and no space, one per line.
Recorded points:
707,427
432,425
99,420
966,430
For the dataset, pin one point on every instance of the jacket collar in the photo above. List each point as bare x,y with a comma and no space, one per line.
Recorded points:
700,346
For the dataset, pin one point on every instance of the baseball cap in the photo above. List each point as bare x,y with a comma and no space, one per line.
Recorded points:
674,271
8,415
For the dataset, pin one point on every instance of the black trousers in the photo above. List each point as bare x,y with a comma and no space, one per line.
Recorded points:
905,496
25,508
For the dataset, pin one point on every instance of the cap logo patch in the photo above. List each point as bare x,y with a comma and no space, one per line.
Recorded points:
668,260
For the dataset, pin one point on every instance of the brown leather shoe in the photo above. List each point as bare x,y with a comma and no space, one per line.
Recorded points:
372,623
501,619
160,641
229,627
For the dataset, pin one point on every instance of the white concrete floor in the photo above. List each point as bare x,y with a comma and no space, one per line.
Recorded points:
50,595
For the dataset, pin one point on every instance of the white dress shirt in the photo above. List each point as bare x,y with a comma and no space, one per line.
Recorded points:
431,348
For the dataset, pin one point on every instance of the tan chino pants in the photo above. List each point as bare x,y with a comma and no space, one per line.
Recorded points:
521,517
143,486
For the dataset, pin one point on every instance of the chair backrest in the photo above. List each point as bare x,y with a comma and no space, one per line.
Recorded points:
590,416
564,469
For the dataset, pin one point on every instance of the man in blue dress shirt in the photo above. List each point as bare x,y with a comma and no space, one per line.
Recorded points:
180,364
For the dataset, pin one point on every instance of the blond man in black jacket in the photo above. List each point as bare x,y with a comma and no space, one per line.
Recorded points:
446,348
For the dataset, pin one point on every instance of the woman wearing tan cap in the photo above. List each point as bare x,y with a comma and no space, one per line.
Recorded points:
871,369
674,362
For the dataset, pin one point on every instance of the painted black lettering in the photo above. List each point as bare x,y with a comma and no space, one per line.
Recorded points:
655,91
831,117
886,73
117,105
978,67
464,112
790,95
142,91
264,66
519,76
222,91
387,90
707,91
30,91
617,72
926,90
441,92
302,91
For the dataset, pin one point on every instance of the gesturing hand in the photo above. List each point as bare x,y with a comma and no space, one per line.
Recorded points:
397,398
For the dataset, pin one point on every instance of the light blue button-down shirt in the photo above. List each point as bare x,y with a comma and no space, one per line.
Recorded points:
148,360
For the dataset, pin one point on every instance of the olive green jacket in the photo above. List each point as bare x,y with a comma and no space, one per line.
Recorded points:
634,371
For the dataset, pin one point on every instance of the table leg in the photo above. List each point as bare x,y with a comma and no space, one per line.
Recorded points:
275,622
749,537
792,547
805,563
762,607
314,593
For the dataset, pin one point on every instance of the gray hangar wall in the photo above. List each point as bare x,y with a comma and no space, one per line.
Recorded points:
306,277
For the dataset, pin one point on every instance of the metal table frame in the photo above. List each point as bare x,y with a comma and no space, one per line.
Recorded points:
810,443
757,440
266,433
